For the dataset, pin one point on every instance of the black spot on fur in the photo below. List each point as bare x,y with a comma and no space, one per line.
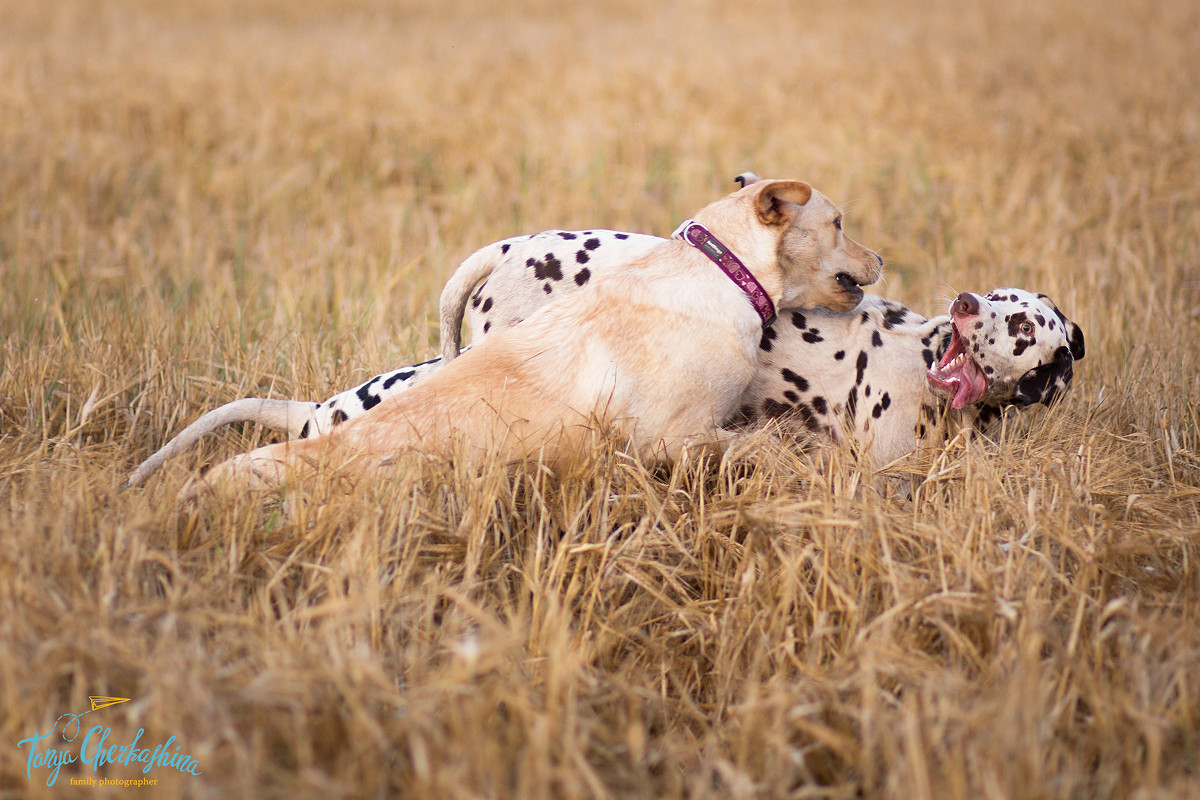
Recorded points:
768,335
978,325
548,269
852,403
988,370
365,397
773,408
796,380
621,236
582,257
806,414
304,431
1014,323
893,317
405,374
791,396
885,401
486,326
867,391
877,411
839,355
582,276
812,336
819,404
339,417
1021,346
546,288
591,244
487,305
921,430
504,249
798,320
567,235
876,339
927,354
475,300
861,366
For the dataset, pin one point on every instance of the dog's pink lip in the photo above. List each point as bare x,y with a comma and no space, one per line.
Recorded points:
958,374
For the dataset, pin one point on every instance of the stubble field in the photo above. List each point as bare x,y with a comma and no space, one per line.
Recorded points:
201,201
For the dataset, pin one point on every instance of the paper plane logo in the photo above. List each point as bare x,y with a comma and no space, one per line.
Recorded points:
104,702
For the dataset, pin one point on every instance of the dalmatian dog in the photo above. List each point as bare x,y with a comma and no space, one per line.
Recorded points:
883,378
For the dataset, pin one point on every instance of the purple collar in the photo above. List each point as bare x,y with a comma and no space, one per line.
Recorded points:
702,239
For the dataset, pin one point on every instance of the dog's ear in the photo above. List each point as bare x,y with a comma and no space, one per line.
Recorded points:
1073,331
1075,336
747,178
775,198
1043,384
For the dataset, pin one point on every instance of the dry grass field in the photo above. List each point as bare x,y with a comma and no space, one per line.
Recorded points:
208,199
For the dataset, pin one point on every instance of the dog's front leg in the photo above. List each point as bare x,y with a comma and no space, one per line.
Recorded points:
713,442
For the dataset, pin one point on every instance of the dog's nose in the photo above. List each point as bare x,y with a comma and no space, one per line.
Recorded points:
878,258
965,305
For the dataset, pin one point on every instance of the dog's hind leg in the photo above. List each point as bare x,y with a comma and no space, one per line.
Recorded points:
279,415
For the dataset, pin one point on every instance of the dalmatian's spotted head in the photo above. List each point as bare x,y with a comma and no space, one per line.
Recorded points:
1008,346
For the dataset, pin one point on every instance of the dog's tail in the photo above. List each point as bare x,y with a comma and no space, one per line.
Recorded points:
453,304
291,416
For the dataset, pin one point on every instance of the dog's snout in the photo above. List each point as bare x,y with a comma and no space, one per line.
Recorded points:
966,305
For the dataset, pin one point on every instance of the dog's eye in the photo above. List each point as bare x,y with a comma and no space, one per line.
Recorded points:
1027,328
837,223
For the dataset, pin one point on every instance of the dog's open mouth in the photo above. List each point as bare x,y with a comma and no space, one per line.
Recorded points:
850,286
957,374
847,282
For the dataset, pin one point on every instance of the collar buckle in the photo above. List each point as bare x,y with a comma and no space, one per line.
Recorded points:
702,239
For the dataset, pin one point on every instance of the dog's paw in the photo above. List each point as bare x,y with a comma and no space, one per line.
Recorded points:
247,472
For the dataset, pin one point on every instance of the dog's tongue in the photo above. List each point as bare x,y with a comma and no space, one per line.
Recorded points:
971,385
959,375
